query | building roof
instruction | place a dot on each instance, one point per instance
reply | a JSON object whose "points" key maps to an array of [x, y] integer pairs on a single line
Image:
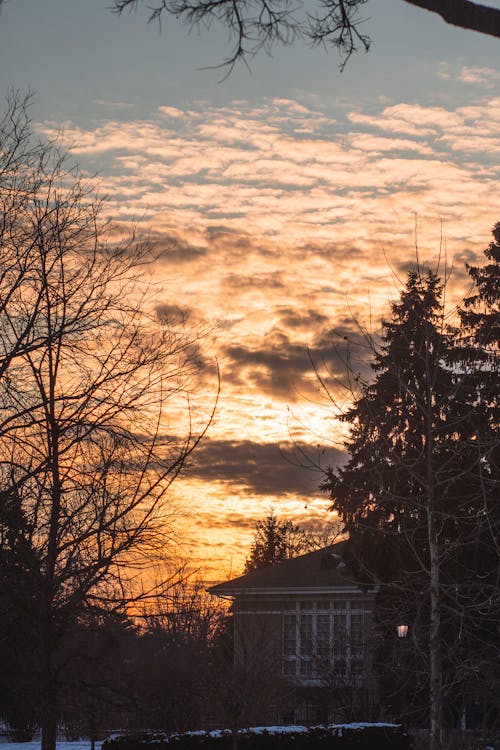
{"points": [[315, 572]]}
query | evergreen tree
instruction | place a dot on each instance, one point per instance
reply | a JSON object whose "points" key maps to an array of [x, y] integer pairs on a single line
{"points": [[478, 596], [412, 493], [275, 541], [481, 312], [19, 694]]}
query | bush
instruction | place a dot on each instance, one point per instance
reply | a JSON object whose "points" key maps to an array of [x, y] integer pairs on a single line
{"points": [[332, 737]]}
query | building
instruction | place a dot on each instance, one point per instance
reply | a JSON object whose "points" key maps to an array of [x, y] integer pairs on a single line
{"points": [[310, 622]]}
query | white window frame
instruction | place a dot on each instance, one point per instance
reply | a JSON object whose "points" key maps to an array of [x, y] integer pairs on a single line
{"points": [[304, 667]]}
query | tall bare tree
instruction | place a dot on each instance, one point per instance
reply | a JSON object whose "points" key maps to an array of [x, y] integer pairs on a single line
{"points": [[95, 418]]}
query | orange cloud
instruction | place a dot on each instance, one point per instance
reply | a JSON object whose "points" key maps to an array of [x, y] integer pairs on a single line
{"points": [[275, 223]]}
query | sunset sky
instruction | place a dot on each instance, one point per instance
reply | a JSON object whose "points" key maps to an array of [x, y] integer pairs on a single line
{"points": [[284, 202]]}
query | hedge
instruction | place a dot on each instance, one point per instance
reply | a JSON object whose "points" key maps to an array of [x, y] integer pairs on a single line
{"points": [[360, 736]]}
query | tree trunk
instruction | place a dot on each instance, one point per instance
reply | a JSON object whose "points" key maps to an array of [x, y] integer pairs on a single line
{"points": [[435, 677], [48, 677], [435, 674], [49, 730], [49, 718]]}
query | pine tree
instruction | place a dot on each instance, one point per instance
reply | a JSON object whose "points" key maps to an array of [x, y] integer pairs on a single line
{"points": [[275, 541], [481, 312], [412, 491], [478, 596], [407, 410]]}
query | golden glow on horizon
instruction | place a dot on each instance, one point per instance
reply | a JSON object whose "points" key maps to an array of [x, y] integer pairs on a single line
{"points": [[278, 224]]}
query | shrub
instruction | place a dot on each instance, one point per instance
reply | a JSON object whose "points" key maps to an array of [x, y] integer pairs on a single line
{"points": [[359, 736]]}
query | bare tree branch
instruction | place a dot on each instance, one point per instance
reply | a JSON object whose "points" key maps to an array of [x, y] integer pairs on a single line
{"points": [[96, 416], [261, 24], [465, 14]]}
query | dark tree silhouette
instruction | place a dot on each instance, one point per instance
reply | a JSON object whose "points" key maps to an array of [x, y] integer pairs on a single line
{"points": [[274, 541], [175, 668], [481, 311], [19, 694], [93, 390], [417, 494]]}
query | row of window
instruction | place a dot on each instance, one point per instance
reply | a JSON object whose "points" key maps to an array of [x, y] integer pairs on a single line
{"points": [[321, 643], [321, 605]]}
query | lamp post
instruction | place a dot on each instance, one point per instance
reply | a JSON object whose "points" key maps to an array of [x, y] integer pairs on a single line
{"points": [[402, 632]]}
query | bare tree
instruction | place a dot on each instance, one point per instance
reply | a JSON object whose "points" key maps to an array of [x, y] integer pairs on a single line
{"points": [[95, 417], [262, 24], [178, 631]]}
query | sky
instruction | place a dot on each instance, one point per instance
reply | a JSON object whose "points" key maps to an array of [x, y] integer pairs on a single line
{"points": [[285, 203]]}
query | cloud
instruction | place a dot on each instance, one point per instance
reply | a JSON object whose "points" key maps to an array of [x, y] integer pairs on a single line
{"points": [[265, 469], [109, 103], [171, 112], [286, 367], [246, 170], [486, 77], [172, 314], [235, 281], [175, 249], [302, 319], [276, 369], [286, 228]]}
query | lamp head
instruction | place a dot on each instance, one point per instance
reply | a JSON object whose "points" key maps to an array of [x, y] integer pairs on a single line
{"points": [[402, 631]]}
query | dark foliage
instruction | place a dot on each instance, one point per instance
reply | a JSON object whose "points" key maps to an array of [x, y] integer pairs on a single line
{"points": [[275, 541], [19, 687], [334, 737], [419, 494], [481, 312]]}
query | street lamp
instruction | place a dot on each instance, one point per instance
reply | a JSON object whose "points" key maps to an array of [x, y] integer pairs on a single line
{"points": [[402, 631]]}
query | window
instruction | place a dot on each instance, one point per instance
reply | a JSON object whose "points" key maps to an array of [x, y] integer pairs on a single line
{"points": [[306, 635], [356, 633], [290, 636], [323, 638]]}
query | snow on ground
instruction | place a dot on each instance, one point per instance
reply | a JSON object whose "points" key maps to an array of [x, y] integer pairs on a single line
{"points": [[35, 745]]}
